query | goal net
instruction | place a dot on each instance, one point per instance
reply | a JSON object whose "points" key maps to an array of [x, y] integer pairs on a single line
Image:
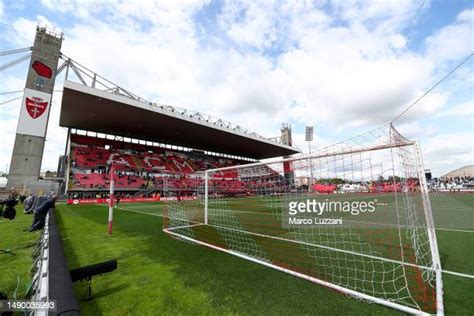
{"points": [[354, 217]]}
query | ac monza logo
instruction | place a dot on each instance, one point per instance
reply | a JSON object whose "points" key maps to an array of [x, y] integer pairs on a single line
{"points": [[36, 106]]}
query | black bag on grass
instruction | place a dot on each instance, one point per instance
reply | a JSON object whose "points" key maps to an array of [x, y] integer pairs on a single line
{"points": [[9, 213]]}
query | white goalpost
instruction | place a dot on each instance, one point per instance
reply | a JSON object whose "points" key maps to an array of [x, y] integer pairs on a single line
{"points": [[354, 217]]}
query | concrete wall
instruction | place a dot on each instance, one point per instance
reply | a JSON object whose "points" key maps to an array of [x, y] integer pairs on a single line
{"points": [[26, 160]]}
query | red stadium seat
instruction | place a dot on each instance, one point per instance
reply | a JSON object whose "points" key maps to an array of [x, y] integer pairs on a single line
{"points": [[91, 156]]}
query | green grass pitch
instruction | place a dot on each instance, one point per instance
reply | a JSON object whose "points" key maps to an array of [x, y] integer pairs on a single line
{"points": [[160, 275]]}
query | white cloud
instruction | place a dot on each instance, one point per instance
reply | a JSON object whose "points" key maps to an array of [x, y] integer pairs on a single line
{"points": [[426, 107], [22, 31], [397, 41], [465, 109], [10, 83], [448, 152], [416, 131], [7, 138], [385, 16], [250, 22], [56, 137], [352, 68], [453, 42], [352, 91]]}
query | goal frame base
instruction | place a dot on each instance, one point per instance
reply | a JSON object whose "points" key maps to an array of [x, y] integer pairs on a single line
{"points": [[355, 294]]}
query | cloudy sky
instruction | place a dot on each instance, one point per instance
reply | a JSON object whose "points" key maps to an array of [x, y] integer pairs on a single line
{"points": [[342, 66]]}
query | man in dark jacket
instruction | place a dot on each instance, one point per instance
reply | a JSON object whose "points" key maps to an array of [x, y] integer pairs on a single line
{"points": [[28, 204], [41, 210]]}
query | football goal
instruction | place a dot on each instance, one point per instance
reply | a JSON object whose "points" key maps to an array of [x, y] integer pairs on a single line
{"points": [[354, 217]]}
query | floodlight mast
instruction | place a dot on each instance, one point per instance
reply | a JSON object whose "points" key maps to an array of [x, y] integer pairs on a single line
{"points": [[309, 139], [111, 198], [206, 197]]}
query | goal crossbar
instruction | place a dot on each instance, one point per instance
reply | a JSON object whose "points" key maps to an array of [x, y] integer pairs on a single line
{"points": [[316, 156]]}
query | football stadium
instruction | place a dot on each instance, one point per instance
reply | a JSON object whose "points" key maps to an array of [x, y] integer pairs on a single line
{"points": [[160, 210]]}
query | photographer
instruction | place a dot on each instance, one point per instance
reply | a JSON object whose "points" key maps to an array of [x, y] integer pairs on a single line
{"points": [[28, 204], [8, 207], [41, 210]]}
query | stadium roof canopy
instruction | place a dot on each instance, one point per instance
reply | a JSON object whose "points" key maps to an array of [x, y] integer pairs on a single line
{"points": [[466, 171], [100, 111]]}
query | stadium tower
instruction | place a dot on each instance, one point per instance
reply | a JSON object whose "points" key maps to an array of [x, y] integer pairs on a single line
{"points": [[286, 139], [35, 108]]}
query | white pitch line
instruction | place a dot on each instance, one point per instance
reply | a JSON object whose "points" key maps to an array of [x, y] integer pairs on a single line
{"points": [[456, 230], [464, 275], [237, 211], [271, 214], [450, 209], [135, 211], [406, 226], [353, 293], [159, 215], [184, 226], [348, 220]]}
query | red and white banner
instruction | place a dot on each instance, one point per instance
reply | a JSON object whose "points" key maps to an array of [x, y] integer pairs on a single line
{"points": [[104, 201], [34, 113]]}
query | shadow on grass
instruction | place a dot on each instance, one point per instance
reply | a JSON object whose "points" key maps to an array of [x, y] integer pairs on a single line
{"points": [[14, 269], [231, 285]]}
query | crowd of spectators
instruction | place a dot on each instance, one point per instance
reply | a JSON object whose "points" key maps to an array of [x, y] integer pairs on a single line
{"points": [[141, 168], [451, 184], [138, 167]]}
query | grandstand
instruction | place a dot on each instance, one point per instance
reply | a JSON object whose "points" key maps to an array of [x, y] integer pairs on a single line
{"points": [[150, 145], [459, 180], [138, 167]]}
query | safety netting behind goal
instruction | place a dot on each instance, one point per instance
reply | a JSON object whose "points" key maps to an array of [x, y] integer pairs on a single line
{"points": [[354, 216]]}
